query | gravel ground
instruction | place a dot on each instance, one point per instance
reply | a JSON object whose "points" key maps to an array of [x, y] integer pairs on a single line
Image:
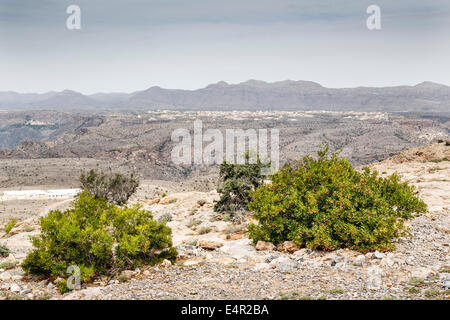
{"points": [[224, 264]]}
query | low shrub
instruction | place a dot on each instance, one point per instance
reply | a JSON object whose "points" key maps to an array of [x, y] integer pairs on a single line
{"points": [[4, 251], [164, 218], [10, 225], [98, 237], [8, 265], [326, 204], [204, 230], [193, 222]]}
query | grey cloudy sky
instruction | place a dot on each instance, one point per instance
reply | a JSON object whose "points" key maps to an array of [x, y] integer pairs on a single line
{"points": [[134, 44]]}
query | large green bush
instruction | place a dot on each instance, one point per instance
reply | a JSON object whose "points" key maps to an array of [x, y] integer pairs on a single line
{"points": [[237, 181], [98, 237], [326, 204]]}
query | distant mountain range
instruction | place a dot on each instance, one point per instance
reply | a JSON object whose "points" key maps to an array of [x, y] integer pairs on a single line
{"points": [[249, 95]]}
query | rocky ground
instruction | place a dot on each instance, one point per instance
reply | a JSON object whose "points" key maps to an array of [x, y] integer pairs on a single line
{"points": [[217, 260]]}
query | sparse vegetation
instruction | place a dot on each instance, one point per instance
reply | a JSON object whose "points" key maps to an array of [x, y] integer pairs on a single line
{"points": [[440, 160], [193, 242], [326, 204], [235, 228], [414, 290], [116, 188], [166, 217], [336, 291], [98, 237], [8, 265], [4, 251], [10, 225], [432, 293], [414, 281], [122, 278], [445, 269], [204, 230], [193, 222]]}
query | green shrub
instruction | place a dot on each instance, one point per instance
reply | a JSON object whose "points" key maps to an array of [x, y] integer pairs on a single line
{"points": [[11, 224], [8, 265], [326, 204], [4, 251], [115, 188], [62, 286], [204, 230], [98, 237], [237, 181]]}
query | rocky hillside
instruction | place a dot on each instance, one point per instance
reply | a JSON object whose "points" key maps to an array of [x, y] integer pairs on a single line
{"points": [[52, 148], [218, 261]]}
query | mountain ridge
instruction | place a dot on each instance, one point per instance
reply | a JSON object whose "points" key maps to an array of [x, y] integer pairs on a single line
{"points": [[249, 95]]}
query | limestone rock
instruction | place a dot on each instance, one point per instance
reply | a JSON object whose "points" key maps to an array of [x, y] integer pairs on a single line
{"points": [[14, 288], [209, 244], [288, 246], [263, 246], [166, 263], [421, 272], [378, 255], [359, 260], [386, 262], [191, 263], [4, 276], [286, 266]]}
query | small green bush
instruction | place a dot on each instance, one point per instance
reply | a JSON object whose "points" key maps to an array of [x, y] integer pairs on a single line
{"points": [[115, 188], [11, 224], [62, 286], [204, 230], [8, 265], [237, 182], [326, 204], [98, 237], [4, 251]]}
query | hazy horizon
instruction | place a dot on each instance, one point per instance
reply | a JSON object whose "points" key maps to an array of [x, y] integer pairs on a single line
{"points": [[127, 46], [228, 83]]}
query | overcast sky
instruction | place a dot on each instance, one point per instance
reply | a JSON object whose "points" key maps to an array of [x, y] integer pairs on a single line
{"points": [[131, 45]]}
